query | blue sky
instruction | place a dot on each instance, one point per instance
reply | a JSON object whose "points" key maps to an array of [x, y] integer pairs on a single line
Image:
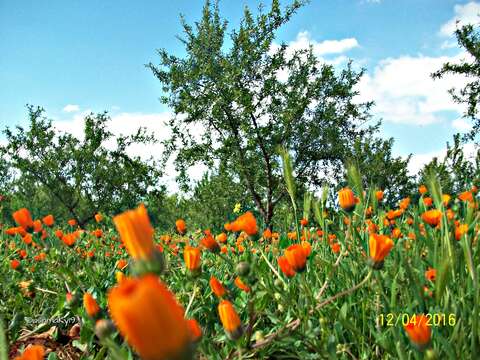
{"points": [[75, 56]]}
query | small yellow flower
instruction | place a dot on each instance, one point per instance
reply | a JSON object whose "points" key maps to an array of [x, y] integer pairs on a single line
{"points": [[237, 208]]}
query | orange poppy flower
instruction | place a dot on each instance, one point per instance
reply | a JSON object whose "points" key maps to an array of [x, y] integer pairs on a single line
{"points": [[466, 196], [69, 239], [422, 189], [419, 331], [245, 222], [98, 233], [460, 230], [307, 248], [209, 242], [27, 239], [267, 234], [48, 220], [379, 195], [149, 318], [396, 233], [181, 226], [23, 218], [380, 246], [122, 264], [90, 305], [33, 352], [404, 203], [37, 226], [296, 257], [428, 201], [59, 233], [372, 227], [11, 231], [292, 235], [194, 330], [431, 274], [284, 265], [72, 222], [346, 199], [14, 264], [230, 319], [222, 238], [304, 222], [432, 217], [335, 248], [217, 287], [191, 255], [98, 217], [136, 232], [241, 285], [40, 257]]}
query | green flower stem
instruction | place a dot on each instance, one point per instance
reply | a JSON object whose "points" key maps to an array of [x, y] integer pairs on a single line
{"points": [[272, 268], [115, 351]]}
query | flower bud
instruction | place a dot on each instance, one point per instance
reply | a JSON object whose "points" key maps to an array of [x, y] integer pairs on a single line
{"points": [[243, 268]]}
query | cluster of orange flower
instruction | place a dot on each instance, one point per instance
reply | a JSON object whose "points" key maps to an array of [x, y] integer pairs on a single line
{"points": [[170, 333]]}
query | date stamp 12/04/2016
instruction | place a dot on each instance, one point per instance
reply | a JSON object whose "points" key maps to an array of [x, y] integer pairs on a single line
{"points": [[435, 319]]}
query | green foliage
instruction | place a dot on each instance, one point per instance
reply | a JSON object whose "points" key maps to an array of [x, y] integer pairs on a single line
{"points": [[455, 171], [469, 39], [72, 177], [235, 105], [380, 168]]}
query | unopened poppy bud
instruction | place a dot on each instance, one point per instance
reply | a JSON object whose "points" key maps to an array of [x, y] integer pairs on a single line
{"points": [[90, 304], [155, 264], [243, 268], [380, 246], [104, 328], [346, 199], [195, 330], [258, 336], [191, 255], [72, 300], [431, 354], [419, 331], [230, 319]]}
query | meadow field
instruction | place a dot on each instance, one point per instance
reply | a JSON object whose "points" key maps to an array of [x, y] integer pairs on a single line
{"points": [[366, 281], [281, 200]]}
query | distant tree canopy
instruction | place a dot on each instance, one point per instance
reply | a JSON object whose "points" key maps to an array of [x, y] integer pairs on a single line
{"points": [[58, 173], [468, 38], [236, 99], [380, 169], [455, 171]]}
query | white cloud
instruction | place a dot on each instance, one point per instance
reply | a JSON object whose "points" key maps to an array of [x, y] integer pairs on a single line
{"points": [[71, 108], [327, 51], [404, 91], [461, 125], [304, 40], [448, 44], [465, 14], [127, 124], [418, 161]]}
